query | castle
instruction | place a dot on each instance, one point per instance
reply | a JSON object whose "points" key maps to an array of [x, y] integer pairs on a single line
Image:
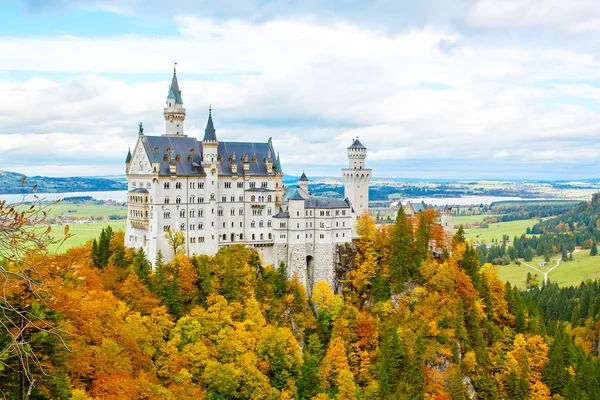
{"points": [[220, 193]]}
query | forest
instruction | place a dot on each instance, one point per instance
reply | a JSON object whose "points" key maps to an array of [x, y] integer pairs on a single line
{"points": [[99, 323]]}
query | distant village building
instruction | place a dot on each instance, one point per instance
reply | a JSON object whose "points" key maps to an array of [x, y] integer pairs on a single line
{"points": [[219, 193]]}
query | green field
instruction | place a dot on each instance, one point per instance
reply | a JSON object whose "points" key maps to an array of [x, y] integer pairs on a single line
{"points": [[469, 219], [583, 267], [496, 230], [82, 233]]}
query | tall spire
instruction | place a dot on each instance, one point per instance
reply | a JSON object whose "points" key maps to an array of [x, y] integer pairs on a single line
{"points": [[209, 133], [174, 92], [278, 169]]}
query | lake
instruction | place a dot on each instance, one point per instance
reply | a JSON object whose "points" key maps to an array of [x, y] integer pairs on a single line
{"points": [[121, 195], [117, 195]]}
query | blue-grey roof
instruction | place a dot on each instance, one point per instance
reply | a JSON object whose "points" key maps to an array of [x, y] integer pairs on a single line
{"points": [[282, 214], [209, 132], [293, 193], [259, 190], [356, 145], [303, 178], [326, 203], [174, 89], [181, 146], [139, 190], [128, 158]]}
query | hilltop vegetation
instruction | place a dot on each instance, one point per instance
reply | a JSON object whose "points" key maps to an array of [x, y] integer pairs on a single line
{"points": [[11, 183], [401, 325]]}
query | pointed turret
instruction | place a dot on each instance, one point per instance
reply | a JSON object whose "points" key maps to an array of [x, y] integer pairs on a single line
{"points": [[278, 169], [303, 177], [209, 133], [303, 184], [128, 159], [174, 92]]}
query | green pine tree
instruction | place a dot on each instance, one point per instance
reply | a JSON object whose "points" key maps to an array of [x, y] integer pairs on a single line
{"points": [[402, 266], [594, 248]]}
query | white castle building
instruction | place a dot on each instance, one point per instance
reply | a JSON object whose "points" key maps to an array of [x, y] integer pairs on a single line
{"points": [[220, 193]]}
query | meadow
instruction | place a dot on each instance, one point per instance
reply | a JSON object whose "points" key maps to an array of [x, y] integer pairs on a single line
{"points": [[84, 210], [582, 268], [496, 230], [82, 233]]}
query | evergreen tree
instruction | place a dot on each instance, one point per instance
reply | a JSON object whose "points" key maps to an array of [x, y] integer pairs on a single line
{"points": [[528, 256], [95, 254], [381, 288], [141, 266], [402, 265], [416, 374], [470, 264], [594, 248], [457, 386], [422, 240]]}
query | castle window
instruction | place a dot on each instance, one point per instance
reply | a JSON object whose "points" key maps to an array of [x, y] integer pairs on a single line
{"points": [[269, 211], [201, 239], [227, 185], [241, 211], [219, 159], [322, 213], [337, 224], [232, 199], [182, 213], [178, 185], [322, 236], [200, 213], [253, 236], [322, 225], [297, 213], [270, 236], [224, 236], [223, 199], [254, 159], [262, 236], [212, 196], [192, 199], [252, 185], [166, 158], [297, 236], [343, 212], [223, 224], [282, 224], [240, 185], [261, 224], [200, 199], [178, 200], [220, 211], [200, 226], [233, 211], [192, 227], [252, 224], [241, 224], [241, 198], [269, 198], [192, 185], [264, 185], [166, 228], [253, 198], [192, 213], [167, 200], [241, 236], [201, 185], [167, 214], [344, 223], [336, 235], [298, 225], [269, 223], [167, 185], [337, 212], [182, 227]]}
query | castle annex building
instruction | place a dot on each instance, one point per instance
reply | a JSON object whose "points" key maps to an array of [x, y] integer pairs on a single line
{"points": [[220, 193]]}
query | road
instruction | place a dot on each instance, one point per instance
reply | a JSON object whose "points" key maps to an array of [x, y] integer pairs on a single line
{"points": [[542, 272]]}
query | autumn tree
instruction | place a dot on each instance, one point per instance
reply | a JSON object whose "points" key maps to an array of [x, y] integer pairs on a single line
{"points": [[176, 240]]}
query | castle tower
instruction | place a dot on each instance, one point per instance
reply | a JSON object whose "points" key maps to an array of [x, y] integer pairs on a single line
{"points": [[279, 189], [446, 222], [174, 112], [356, 178], [210, 160], [303, 184]]}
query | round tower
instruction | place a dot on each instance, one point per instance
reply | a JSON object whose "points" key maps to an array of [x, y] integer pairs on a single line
{"points": [[446, 220], [356, 178]]}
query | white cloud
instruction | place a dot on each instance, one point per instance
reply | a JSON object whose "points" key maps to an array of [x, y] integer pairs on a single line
{"points": [[312, 87]]}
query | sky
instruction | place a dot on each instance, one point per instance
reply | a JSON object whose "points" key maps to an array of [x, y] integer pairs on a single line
{"points": [[453, 89]]}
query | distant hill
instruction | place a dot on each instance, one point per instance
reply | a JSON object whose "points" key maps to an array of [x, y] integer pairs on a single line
{"points": [[10, 183]]}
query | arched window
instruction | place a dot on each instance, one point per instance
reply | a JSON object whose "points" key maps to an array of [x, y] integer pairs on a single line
{"points": [[269, 198], [261, 224], [269, 211], [167, 185], [182, 213], [252, 224], [167, 200], [253, 236], [269, 224], [270, 236], [200, 213], [212, 196], [262, 236], [192, 213], [241, 236], [178, 200], [241, 211], [223, 199], [200, 199], [200, 226], [167, 214], [192, 199], [253, 198], [182, 227], [233, 211], [224, 236]]}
